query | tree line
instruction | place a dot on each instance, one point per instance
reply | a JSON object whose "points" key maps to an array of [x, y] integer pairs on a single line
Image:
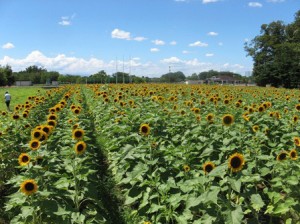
{"points": [[39, 75]]}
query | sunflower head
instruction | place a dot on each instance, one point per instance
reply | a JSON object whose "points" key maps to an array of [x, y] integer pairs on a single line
{"points": [[236, 162], [52, 116], [24, 159], [78, 134], [293, 154], [297, 107], [52, 123], [29, 187], [227, 119], [145, 129], [295, 118], [186, 168], [282, 156], [208, 167], [297, 141], [80, 147], [255, 128], [34, 144], [16, 116], [210, 117]]}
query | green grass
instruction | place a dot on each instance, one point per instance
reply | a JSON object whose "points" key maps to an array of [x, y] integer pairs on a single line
{"points": [[19, 95]]}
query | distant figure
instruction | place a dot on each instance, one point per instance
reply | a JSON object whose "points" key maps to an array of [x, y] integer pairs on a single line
{"points": [[7, 98]]}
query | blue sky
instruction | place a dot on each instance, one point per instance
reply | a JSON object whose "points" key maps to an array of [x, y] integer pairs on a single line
{"points": [[143, 37]]}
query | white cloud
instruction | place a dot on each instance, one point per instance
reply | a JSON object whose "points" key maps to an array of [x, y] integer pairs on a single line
{"points": [[255, 4], [8, 46], [66, 20], [186, 52], [209, 54], [209, 1], [120, 34], [173, 42], [198, 44], [220, 44], [154, 49], [171, 60], [212, 34], [158, 42], [139, 38]]}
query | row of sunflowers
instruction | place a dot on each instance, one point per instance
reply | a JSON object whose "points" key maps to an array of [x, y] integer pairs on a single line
{"points": [[153, 153]]}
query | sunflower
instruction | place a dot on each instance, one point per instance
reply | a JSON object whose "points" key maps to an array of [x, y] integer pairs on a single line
{"points": [[293, 154], [29, 187], [145, 129], [297, 107], [297, 141], [52, 117], [227, 119], [47, 129], [34, 144], [255, 128], [295, 118], [236, 162], [52, 123], [37, 134], [208, 166], [261, 109], [196, 110], [16, 116], [78, 134], [80, 147], [76, 111], [237, 104], [210, 117], [226, 101], [24, 159], [186, 168], [282, 156]]}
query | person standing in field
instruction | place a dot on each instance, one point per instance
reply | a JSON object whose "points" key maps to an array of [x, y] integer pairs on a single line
{"points": [[7, 98]]}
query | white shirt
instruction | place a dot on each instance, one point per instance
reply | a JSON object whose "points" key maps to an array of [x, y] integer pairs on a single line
{"points": [[7, 97]]}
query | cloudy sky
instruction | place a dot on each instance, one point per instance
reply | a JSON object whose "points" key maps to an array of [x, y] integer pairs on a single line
{"points": [[143, 37]]}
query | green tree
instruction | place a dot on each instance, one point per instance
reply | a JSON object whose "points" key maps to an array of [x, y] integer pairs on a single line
{"points": [[276, 53]]}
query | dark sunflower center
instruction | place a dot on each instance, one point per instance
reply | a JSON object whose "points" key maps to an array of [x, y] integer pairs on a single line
{"points": [[46, 129], [295, 118], [76, 111], [208, 168], [235, 162], [29, 186], [227, 120], [282, 156], [80, 147], [37, 134], [25, 159], [293, 155], [144, 129], [78, 134], [209, 117], [34, 144]]}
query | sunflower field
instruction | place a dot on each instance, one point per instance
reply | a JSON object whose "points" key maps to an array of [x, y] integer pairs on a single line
{"points": [[150, 154]]}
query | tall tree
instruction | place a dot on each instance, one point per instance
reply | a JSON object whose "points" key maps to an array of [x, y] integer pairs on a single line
{"points": [[276, 53]]}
